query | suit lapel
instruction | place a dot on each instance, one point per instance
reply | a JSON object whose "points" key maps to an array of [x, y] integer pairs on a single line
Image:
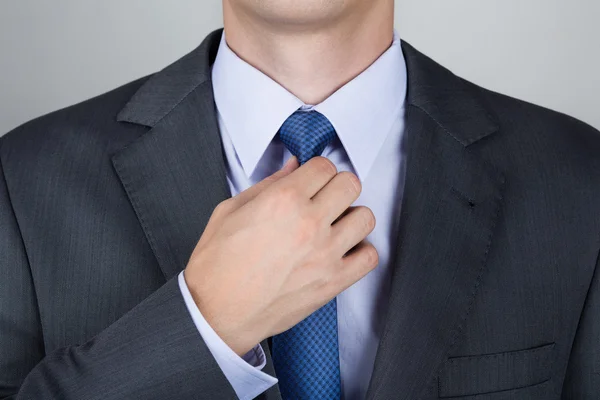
{"points": [[450, 206], [174, 174]]}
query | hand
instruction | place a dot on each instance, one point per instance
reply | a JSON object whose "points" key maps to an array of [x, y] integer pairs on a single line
{"points": [[272, 255]]}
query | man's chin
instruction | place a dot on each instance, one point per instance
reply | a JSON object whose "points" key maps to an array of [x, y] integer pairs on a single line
{"points": [[296, 14]]}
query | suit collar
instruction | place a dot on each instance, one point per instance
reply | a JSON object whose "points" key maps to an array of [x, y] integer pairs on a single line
{"points": [[166, 89], [174, 176], [451, 101]]}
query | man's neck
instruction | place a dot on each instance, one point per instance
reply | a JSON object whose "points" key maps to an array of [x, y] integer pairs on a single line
{"points": [[312, 62]]}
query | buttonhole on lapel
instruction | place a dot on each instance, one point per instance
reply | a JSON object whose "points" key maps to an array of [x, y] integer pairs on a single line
{"points": [[470, 202]]}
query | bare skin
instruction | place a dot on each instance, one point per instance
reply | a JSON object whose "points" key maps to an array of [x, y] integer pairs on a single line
{"points": [[277, 252], [310, 47], [272, 255]]}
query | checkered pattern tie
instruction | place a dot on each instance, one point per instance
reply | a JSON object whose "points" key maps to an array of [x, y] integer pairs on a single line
{"points": [[306, 357]]}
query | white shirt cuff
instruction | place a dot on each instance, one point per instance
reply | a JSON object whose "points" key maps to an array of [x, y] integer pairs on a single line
{"points": [[243, 373]]}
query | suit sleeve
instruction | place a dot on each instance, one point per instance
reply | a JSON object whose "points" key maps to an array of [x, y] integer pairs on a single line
{"points": [[152, 352], [582, 380], [21, 344], [243, 373]]}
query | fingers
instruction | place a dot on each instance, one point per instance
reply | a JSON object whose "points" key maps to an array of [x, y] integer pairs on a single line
{"points": [[310, 177], [339, 194], [358, 263], [351, 229], [253, 191]]}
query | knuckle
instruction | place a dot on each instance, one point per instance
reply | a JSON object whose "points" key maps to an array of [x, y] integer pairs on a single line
{"points": [[371, 256], [307, 228], [330, 283], [368, 218], [271, 178], [286, 195], [312, 223], [326, 278], [337, 276], [223, 208], [279, 203], [351, 182], [324, 166]]}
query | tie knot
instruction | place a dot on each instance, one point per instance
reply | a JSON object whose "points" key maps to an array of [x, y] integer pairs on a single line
{"points": [[306, 134]]}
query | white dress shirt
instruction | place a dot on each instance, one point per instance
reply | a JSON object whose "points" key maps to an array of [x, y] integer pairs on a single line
{"points": [[368, 116]]}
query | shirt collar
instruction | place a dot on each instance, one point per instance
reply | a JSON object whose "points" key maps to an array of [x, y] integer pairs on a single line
{"points": [[253, 106]]}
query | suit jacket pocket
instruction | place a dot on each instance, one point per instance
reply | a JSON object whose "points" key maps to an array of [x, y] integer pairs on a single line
{"points": [[465, 376]]}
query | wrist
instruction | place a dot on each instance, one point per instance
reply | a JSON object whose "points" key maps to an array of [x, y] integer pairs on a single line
{"points": [[229, 329]]}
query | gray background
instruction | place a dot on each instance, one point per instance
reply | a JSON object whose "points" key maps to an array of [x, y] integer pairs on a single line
{"points": [[56, 53]]}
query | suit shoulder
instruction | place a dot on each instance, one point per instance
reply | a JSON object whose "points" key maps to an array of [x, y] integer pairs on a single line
{"points": [[542, 150], [546, 130], [88, 120]]}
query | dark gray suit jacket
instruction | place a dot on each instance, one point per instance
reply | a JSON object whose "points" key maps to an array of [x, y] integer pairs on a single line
{"points": [[494, 296]]}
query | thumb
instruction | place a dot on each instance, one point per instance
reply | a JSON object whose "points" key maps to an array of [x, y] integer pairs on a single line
{"points": [[253, 191]]}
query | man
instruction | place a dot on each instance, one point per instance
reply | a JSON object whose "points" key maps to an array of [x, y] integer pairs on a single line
{"points": [[426, 238]]}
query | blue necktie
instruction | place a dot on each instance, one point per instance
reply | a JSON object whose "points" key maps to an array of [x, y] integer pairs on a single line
{"points": [[306, 357]]}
